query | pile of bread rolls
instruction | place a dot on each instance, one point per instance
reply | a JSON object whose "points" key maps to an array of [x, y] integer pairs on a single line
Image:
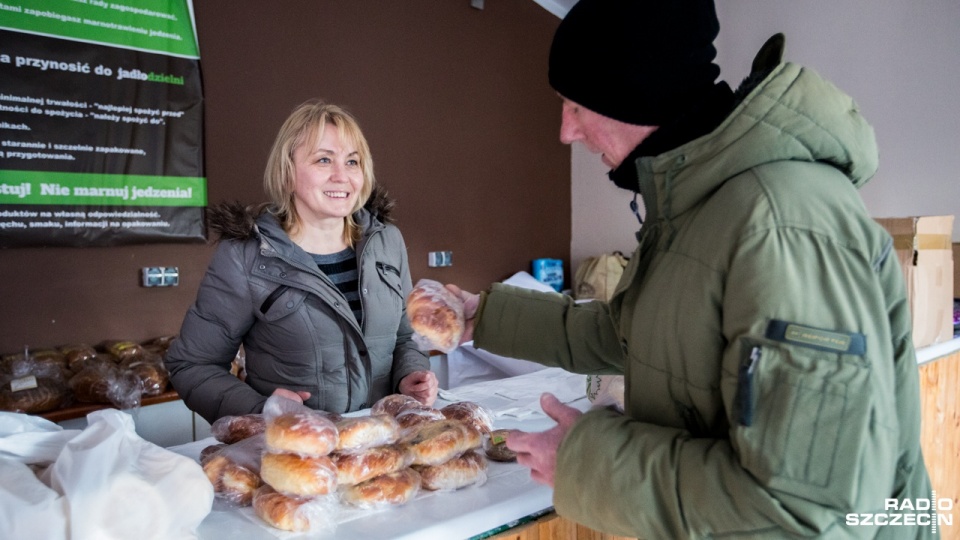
{"points": [[297, 467]]}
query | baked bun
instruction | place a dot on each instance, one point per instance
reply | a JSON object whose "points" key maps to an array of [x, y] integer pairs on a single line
{"points": [[41, 395], [440, 441], [394, 404], [207, 453], [470, 413], [355, 468], [387, 489], [411, 420], [296, 514], [359, 433], [231, 482], [231, 429], [302, 432], [297, 475], [464, 470], [436, 315]]}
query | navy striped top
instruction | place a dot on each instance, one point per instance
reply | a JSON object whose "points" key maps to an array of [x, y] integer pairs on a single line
{"points": [[341, 268]]}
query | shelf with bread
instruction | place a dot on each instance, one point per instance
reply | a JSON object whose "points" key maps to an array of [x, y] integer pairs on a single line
{"points": [[70, 381]]}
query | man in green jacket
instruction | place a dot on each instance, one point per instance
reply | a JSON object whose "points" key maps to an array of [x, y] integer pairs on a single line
{"points": [[771, 384]]}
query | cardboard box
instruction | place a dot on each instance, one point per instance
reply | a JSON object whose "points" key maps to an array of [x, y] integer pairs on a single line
{"points": [[923, 245]]}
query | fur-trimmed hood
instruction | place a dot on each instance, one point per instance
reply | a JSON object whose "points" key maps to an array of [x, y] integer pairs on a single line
{"points": [[233, 220]]}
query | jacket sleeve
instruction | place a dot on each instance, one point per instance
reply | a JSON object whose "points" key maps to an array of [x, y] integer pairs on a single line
{"points": [[549, 328], [210, 336], [808, 389], [407, 356]]}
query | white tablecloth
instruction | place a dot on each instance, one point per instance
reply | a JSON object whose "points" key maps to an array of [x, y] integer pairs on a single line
{"points": [[508, 495]]}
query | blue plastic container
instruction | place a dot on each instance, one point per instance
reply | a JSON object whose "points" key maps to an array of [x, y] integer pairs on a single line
{"points": [[549, 271]]}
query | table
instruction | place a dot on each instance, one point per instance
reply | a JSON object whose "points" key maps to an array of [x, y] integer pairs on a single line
{"points": [[507, 498]]}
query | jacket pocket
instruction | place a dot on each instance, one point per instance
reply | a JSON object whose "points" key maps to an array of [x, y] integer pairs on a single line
{"points": [[390, 276], [803, 416], [281, 302]]}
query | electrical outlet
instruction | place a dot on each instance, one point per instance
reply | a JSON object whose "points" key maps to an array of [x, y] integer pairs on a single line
{"points": [[160, 276], [439, 258]]}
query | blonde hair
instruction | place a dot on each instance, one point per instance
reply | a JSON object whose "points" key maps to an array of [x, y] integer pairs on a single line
{"points": [[305, 125]]}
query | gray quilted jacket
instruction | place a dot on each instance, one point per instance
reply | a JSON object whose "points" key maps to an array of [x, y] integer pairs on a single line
{"points": [[264, 292]]}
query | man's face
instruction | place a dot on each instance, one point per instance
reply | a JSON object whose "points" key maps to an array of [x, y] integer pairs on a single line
{"points": [[612, 139]]}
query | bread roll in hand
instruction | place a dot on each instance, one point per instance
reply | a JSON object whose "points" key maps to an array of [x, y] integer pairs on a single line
{"points": [[436, 316]]}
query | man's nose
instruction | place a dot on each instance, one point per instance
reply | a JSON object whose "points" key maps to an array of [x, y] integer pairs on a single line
{"points": [[569, 129]]}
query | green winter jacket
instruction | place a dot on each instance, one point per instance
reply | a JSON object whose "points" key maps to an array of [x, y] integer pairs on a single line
{"points": [[770, 378]]}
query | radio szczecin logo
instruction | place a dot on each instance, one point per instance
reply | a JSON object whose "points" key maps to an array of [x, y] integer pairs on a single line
{"points": [[932, 512]]}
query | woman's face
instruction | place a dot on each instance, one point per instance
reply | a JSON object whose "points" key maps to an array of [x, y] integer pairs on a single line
{"points": [[328, 178]]}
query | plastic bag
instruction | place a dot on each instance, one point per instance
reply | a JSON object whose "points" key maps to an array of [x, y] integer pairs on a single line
{"points": [[104, 482], [436, 316], [597, 277], [605, 391]]}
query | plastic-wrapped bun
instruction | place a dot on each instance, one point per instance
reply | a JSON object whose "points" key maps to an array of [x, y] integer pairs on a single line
{"points": [[470, 468], [231, 429], [302, 433], [437, 442], [234, 470], [297, 514], [359, 433], [296, 475], [353, 469], [411, 420], [436, 316], [387, 489], [470, 413], [395, 404]]}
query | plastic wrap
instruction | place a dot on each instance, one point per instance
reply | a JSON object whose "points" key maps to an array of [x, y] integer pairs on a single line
{"points": [[385, 490], [296, 514], [299, 476], [34, 383], [77, 353], [122, 349], [412, 419], [353, 469], [234, 470], [436, 316], [467, 469], [394, 404], [495, 446], [470, 413], [437, 442], [109, 384], [232, 429], [295, 428], [360, 433]]}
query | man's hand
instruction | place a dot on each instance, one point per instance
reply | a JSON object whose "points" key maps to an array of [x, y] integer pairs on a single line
{"points": [[299, 396], [470, 303], [420, 385], [538, 451]]}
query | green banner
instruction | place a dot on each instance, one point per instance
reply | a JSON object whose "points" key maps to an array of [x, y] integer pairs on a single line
{"points": [[72, 189], [160, 26]]}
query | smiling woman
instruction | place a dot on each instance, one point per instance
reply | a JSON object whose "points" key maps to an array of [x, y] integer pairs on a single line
{"points": [[311, 284]]}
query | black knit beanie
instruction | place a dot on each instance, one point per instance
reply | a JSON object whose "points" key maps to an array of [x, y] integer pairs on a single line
{"points": [[638, 61]]}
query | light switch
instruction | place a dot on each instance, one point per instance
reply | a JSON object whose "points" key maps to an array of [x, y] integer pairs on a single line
{"points": [[160, 276], [439, 258]]}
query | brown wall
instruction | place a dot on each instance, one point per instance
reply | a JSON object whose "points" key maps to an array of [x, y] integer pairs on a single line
{"points": [[455, 104]]}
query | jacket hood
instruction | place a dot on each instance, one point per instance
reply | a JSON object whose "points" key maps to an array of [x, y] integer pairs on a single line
{"points": [[791, 114], [233, 220]]}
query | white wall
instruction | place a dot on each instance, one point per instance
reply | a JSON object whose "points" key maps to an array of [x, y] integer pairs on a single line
{"points": [[899, 60]]}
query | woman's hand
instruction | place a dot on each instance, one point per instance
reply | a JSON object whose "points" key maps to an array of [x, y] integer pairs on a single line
{"points": [[470, 303], [420, 385], [299, 396]]}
